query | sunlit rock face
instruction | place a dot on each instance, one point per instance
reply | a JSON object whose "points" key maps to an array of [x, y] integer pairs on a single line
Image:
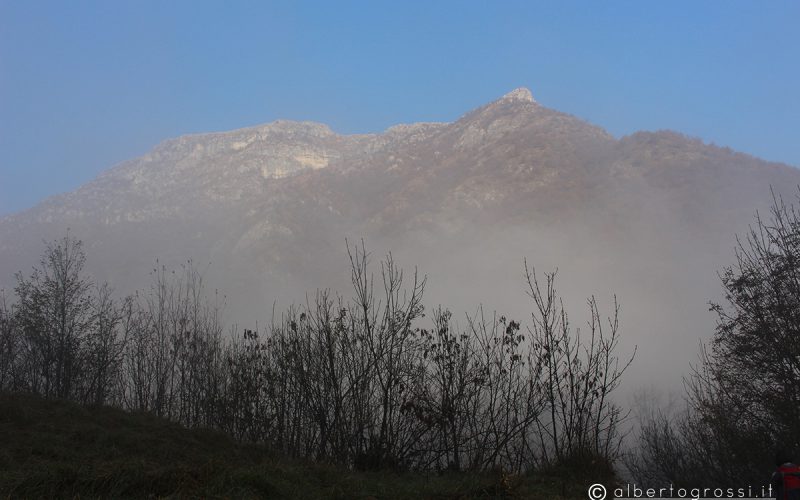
{"points": [[265, 211]]}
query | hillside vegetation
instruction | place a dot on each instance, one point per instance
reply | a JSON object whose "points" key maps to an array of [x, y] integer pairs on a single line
{"points": [[59, 449], [493, 408], [357, 383]]}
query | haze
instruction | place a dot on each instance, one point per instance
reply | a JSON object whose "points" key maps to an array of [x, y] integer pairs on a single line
{"points": [[649, 217]]}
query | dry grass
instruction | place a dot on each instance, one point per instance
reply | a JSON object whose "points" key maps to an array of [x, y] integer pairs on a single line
{"points": [[57, 449]]}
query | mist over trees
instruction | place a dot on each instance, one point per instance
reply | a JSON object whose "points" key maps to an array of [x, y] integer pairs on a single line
{"points": [[376, 381], [369, 382], [743, 399], [62, 337]]}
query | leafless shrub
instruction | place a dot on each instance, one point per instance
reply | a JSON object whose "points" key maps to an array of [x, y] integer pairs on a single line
{"points": [[578, 377], [744, 397], [356, 382], [9, 346]]}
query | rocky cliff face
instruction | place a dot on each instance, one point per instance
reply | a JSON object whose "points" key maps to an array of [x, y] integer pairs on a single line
{"points": [[651, 216]]}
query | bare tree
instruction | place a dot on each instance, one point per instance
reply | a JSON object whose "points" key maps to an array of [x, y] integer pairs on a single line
{"points": [[103, 348], [355, 382], [579, 377], [9, 346], [55, 316], [173, 358], [743, 398]]}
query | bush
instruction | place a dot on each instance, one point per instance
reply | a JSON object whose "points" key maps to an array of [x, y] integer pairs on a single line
{"points": [[360, 383], [744, 398]]}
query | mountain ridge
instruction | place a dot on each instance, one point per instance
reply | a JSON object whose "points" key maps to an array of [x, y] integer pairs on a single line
{"points": [[509, 149], [651, 215], [206, 145]]}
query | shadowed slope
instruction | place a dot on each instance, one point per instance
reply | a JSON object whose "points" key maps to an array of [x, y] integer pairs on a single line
{"points": [[56, 449]]}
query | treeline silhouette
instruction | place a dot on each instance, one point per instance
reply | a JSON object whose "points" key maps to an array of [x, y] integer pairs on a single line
{"points": [[742, 412], [369, 382], [373, 382]]}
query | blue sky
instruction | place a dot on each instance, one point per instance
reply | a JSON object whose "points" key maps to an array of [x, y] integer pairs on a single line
{"points": [[84, 85]]}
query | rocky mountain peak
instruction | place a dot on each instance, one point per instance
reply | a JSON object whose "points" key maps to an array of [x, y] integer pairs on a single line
{"points": [[520, 94]]}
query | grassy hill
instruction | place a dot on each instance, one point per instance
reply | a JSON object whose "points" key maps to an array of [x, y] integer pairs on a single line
{"points": [[58, 449]]}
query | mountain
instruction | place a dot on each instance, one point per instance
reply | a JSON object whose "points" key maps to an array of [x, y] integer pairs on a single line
{"points": [[266, 210]]}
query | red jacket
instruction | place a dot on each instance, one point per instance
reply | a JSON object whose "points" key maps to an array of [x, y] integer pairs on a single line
{"points": [[786, 482]]}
